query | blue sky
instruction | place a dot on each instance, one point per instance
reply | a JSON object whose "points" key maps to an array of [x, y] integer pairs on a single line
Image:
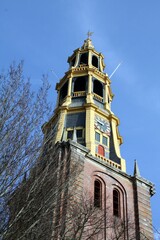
{"points": [[45, 32]]}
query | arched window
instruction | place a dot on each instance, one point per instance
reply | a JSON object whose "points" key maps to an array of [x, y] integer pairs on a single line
{"points": [[116, 203], [72, 63], [101, 150], [80, 84], [84, 59], [97, 193], [98, 88], [95, 61], [64, 91]]}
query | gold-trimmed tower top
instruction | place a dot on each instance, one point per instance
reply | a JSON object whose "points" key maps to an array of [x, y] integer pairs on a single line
{"points": [[83, 110]]}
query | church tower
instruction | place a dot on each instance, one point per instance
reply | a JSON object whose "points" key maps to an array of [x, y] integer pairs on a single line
{"points": [[83, 116], [83, 111], [79, 188]]}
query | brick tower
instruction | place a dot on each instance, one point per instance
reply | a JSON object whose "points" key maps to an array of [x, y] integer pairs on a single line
{"points": [[83, 115], [99, 200]]}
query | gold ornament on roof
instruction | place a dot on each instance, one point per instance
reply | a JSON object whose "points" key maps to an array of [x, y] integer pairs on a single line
{"points": [[89, 34]]}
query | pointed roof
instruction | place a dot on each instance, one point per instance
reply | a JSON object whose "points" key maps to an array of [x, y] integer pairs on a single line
{"points": [[87, 44], [74, 135], [136, 169]]}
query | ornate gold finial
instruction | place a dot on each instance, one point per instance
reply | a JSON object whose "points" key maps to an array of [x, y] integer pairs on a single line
{"points": [[89, 34]]}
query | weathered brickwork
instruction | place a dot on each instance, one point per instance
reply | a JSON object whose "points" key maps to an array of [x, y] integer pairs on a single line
{"points": [[135, 198], [69, 173], [143, 208]]}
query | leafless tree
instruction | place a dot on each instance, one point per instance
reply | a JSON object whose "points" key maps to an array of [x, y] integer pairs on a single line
{"points": [[85, 221], [51, 203], [41, 198], [46, 202], [22, 113], [156, 233], [82, 221]]}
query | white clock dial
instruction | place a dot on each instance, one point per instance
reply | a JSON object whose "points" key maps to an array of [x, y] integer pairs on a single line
{"points": [[102, 125]]}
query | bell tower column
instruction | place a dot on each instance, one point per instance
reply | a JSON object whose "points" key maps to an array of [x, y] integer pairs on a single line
{"points": [[106, 96], [90, 134], [68, 100], [89, 94]]}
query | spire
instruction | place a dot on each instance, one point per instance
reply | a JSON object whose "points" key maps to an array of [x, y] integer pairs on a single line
{"points": [[89, 34], [136, 169], [88, 42], [74, 135]]}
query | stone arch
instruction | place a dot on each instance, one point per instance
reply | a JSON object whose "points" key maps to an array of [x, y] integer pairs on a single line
{"points": [[84, 59], [79, 84], [64, 91], [98, 88], [95, 61], [97, 193], [116, 203]]}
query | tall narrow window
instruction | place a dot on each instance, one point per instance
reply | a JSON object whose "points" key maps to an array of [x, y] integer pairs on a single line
{"points": [[80, 84], [84, 58], [105, 140], [70, 134], [95, 61], [79, 133], [97, 193], [98, 88], [116, 203], [97, 136], [64, 91]]}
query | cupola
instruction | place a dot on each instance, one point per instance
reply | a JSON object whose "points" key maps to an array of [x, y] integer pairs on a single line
{"points": [[87, 56], [83, 110]]}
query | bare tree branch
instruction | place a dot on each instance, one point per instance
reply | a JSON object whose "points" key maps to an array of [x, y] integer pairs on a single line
{"points": [[22, 113]]}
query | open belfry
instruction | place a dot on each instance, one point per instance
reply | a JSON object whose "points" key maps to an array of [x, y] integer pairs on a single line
{"points": [[87, 193], [83, 112]]}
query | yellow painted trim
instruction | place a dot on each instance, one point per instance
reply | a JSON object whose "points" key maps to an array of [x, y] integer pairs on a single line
{"points": [[60, 125], [89, 133], [109, 162], [123, 165], [106, 98], [113, 117], [72, 129], [69, 86], [76, 110], [90, 83]]}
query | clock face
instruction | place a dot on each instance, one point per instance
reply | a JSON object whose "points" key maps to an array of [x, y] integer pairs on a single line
{"points": [[102, 125]]}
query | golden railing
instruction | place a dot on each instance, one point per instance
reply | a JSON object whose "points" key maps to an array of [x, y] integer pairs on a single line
{"points": [[111, 163], [79, 94], [99, 98]]}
